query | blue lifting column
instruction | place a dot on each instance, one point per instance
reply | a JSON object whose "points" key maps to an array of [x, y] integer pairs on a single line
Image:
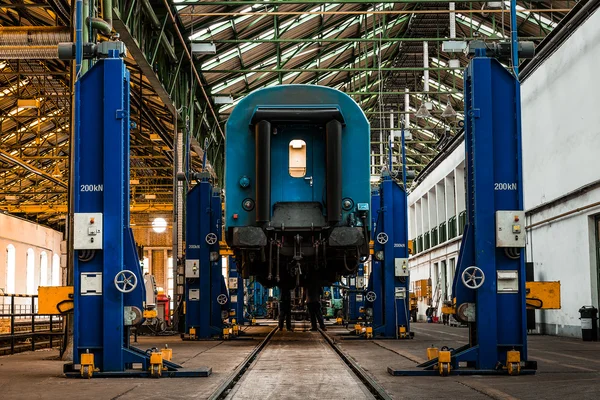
{"points": [[109, 292], [493, 244], [103, 241], [356, 294], [205, 291], [390, 275], [236, 291]]}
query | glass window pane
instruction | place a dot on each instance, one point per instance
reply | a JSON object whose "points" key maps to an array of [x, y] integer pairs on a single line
{"points": [[297, 163]]}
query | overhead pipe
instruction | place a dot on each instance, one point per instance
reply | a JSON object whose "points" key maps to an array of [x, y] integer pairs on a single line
{"points": [[103, 25], [100, 25], [31, 42], [28, 52], [407, 108], [452, 7], [426, 66]]}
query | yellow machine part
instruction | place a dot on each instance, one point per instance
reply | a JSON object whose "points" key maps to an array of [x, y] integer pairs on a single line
{"points": [[369, 332], [150, 314], [156, 364], [449, 310], [411, 247], [432, 352], [542, 295], [227, 332], [402, 332], [224, 250], [513, 362], [87, 365], [444, 358], [371, 247], [338, 321], [167, 354], [55, 299]]}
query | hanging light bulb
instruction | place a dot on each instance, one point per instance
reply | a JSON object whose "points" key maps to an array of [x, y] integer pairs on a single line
{"points": [[448, 111], [423, 112]]}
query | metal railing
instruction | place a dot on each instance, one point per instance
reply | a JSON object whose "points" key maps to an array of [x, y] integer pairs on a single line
{"points": [[23, 329]]}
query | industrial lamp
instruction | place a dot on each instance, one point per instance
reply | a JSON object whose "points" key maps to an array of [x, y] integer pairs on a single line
{"points": [[449, 111], [423, 112], [159, 225]]}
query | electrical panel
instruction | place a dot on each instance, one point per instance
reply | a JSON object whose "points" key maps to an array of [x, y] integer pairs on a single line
{"points": [[91, 284], [360, 282], [87, 231], [508, 281], [192, 269], [359, 297], [401, 267], [510, 228], [400, 293], [233, 298], [233, 283]]}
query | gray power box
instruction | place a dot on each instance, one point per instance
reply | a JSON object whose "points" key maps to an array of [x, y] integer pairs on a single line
{"points": [[510, 228], [233, 283], [401, 267], [88, 231], [192, 268]]}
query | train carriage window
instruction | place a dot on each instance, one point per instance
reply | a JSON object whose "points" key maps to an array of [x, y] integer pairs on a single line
{"points": [[297, 164]]}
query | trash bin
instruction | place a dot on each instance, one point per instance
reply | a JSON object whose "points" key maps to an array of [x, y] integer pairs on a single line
{"points": [[589, 323]]}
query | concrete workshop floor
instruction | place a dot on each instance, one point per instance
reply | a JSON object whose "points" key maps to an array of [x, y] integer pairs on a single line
{"points": [[567, 368]]}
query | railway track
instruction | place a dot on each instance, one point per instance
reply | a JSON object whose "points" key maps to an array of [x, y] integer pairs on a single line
{"points": [[269, 376]]}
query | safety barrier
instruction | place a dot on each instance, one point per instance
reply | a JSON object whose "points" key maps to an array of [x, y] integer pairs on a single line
{"points": [[23, 329]]}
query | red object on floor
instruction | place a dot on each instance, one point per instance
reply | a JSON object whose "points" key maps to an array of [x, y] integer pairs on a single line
{"points": [[163, 307]]}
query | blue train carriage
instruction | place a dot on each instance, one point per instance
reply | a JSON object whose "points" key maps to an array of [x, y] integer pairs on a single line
{"points": [[298, 200]]}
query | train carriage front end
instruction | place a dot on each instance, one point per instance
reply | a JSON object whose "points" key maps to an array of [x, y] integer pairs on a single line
{"points": [[297, 185]]}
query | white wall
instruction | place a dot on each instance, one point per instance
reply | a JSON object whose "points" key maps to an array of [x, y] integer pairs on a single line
{"points": [[561, 122], [25, 235], [561, 147], [434, 199]]}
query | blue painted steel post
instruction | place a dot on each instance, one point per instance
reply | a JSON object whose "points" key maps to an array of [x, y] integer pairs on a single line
{"points": [[492, 149], [238, 305], [101, 185], [390, 311], [204, 278]]}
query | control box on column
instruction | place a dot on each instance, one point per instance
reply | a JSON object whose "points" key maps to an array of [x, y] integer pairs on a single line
{"points": [[510, 228], [87, 231]]}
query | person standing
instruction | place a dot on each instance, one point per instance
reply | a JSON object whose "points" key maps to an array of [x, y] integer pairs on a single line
{"points": [[313, 303], [285, 309]]}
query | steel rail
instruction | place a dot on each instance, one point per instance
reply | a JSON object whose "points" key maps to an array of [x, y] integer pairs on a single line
{"points": [[374, 388], [223, 390]]}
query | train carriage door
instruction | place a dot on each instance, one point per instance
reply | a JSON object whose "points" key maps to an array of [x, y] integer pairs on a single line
{"points": [[292, 172]]}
